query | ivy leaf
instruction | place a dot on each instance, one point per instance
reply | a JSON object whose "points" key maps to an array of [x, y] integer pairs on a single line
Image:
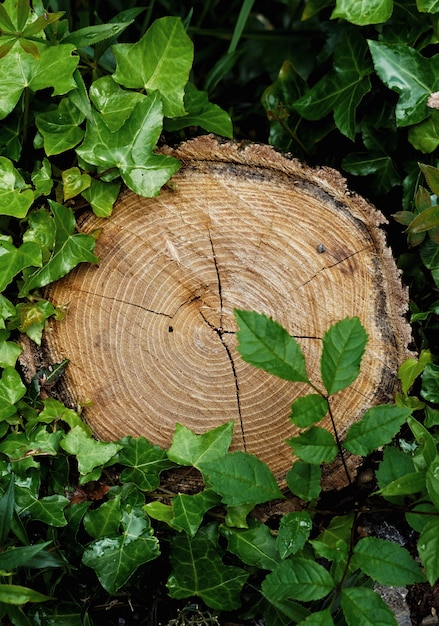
{"points": [[130, 149], [15, 196], [115, 558], [42, 178], [70, 249], [9, 350], [114, 103], [306, 410], [303, 480], [102, 196], [74, 182], [89, 452], [294, 531], [428, 549], [19, 70], [386, 562], [342, 89], [197, 570], [189, 510], [315, 445], [363, 12], [363, 607], [60, 128], [343, 348], [264, 343], [241, 478], [143, 462], [411, 75], [430, 383], [198, 450], [161, 61], [425, 135], [11, 391], [297, 578], [49, 509], [105, 520], [377, 427], [255, 546]]}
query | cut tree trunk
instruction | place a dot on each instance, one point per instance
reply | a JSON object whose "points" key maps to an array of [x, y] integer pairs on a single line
{"points": [[150, 331]]}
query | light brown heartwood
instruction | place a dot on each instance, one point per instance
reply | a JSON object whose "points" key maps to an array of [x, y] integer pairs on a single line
{"points": [[150, 331]]}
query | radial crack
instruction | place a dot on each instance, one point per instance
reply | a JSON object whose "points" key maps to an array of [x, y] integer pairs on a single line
{"points": [[218, 280]]}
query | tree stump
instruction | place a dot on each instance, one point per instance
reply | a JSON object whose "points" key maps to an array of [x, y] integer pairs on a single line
{"points": [[150, 331]]}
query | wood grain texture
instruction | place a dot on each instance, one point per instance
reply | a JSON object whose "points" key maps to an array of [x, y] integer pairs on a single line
{"points": [[150, 331]]}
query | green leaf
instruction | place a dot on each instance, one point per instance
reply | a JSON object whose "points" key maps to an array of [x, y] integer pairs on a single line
{"points": [[407, 484], [426, 220], [130, 149], [264, 343], [14, 260], [427, 6], [49, 509], [7, 309], [303, 480], [9, 351], [89, 452], [430, 383], [102, 196], [425, 135], [241, 478], [189, 510], [319, 618], [60, 128], [105, 520], [19, 71], [159, 511], [411, 75], [342, 89], [15, 557], [6, 510], [428, 550], [410, 369], [115, 558], [143, 462], [198, 450], [15, 196], [426, 442], [74, 182], [394, 465], [236, 516], [306, 410], [11, 391], [431, 176], [377, 427], [386, 562], [343, 348], [42, 179], [255, 546], [297, 578], [114, 103], [160, 61], [432, 480], [197, 570], [31, 318], [363, 12], [70, 249], [17, 595], [91, 35], [315, 445], [294, 531], [363, 607], [333, 543]]}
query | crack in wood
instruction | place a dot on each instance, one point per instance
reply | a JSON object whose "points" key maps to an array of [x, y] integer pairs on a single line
{"points": [[328, 267]]}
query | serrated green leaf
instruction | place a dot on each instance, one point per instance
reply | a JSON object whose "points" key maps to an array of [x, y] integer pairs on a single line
{"points": [[114, 103], [363, 12], [241, 478], [294, 531], [297, 578], [189, 510], [315, 445], [341, 90], [199, 571], [405, 485], [15, 196], [419, 516], [115, 558], [319, 618], [17, 595], [386, 562], [377, 427], [306, 410], [303, 480], [334, 542], [11, 391], [60, 128], [255, 546], [160, 61], [190, 449], [91, 35], [394, 465], [264, 343], [70, 249], [143, 462], [343, 348], [363, 607], [430, 383], [102, 196], [428, 550], [412, 76], [89, 452]]}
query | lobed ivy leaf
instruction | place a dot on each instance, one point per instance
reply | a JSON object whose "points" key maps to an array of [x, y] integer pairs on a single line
{"points": [[255, 546], [60, 128], [303, 480], [197, 570], [18, 71], [236, 516], [70, 249], [376, 428], [115, 558], [294, 531], [89, 452], [9, 350], [159, 511], [363, 607], [428, 550], [315, 445], [74, 182], [297, 578], [102, 196], [190, 449], [264, 343], [411, 75], [343, 348], [241, 478], [15, 196], [143, 462], [306, 410], [17, 595], [386, 562], [105, 520], [7, 310], [160, 61], [42, 178], [363, 12], [189, 510], [48, 509], [425, 135], [11, 391], [113, 103]]}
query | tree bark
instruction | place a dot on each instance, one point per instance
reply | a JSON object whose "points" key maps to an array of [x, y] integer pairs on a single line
{"points": [[150, 331]]}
